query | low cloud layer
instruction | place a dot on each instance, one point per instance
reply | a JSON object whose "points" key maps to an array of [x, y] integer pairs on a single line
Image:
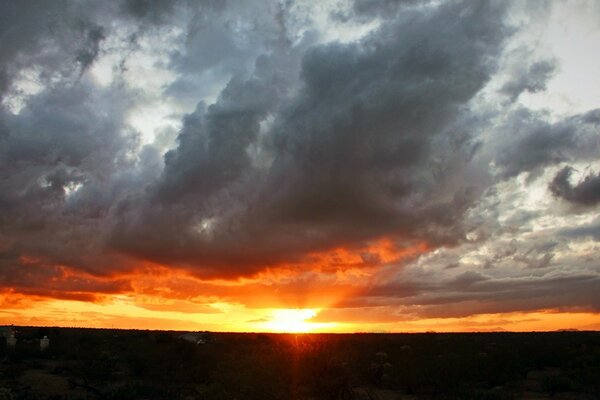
{"points": [[394, 154]]}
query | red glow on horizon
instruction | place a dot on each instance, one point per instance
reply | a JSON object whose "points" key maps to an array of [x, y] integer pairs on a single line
{"points": [[309, 296]]}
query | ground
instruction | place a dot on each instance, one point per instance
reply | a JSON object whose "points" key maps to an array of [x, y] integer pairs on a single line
{"points": [[117, 364]]}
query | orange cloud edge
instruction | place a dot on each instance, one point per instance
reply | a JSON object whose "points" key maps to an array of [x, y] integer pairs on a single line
{"points": [[304, 297]]}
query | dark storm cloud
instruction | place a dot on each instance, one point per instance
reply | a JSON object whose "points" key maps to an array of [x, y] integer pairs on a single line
{"points": [[89, 52], [156, 11], [60, 155], [345, 159], [4, 82], [58, 164], [49, 36], [381, 8], [584, 193], [66, 154], [517, 294], [530, 142], [472, 292], [222, 40]]}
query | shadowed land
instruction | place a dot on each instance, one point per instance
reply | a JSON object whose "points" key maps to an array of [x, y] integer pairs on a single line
{"points": [[130, 364]]}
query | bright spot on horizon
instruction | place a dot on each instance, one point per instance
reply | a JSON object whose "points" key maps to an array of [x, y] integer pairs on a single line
{"points": [[292, 321]]}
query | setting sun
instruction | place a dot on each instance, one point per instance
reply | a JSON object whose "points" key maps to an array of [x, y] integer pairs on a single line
{"points": [[293, 321]]}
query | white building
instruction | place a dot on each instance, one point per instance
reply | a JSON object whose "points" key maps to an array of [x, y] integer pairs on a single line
{"points": [[193, 337], [44, 343]]}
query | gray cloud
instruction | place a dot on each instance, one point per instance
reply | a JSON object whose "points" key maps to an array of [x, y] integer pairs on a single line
{"points": [[59, 162], [472, 292], [50, 38], [381, 8], [533, 79], [89, 52], [533, 143], [591, 230], [585, 193], [348, 154], [66, 154], [155, 11]]}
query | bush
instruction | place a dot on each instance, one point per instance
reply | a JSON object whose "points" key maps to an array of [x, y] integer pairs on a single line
{"points": [[555, 384]]}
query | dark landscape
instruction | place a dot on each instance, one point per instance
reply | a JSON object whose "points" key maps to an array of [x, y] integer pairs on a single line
{"points": [[136, 364]]}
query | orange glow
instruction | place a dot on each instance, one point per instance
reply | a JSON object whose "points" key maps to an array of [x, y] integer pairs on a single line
{"points": [[322, 293], [293, 321], [376, 253], [125, 311]]}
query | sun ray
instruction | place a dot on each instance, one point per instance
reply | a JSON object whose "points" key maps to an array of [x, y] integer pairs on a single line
{"points": [[289, 320]]}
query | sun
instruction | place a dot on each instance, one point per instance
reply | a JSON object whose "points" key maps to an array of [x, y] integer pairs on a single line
{"points": [[291, 320]]}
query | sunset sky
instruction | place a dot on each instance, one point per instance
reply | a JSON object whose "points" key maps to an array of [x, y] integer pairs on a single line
{"points": [[306, 166]]}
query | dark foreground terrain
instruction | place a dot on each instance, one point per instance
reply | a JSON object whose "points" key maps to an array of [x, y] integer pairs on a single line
{"points": [[117, 364]]}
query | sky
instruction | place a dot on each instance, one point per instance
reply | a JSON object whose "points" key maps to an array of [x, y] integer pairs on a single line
{"points": [[278, 165]]}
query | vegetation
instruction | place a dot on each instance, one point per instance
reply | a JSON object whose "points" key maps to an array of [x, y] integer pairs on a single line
{"points": [[117, 364]]}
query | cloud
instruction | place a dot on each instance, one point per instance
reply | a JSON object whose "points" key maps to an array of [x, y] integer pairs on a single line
{"points": [[34, 277], [584, 193], [533, 143], [60, 162], [88, 54], [471, 293], [380, 8], [50, 40], [591, 230], [154, 11], [532, 80], [350, 147]]}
